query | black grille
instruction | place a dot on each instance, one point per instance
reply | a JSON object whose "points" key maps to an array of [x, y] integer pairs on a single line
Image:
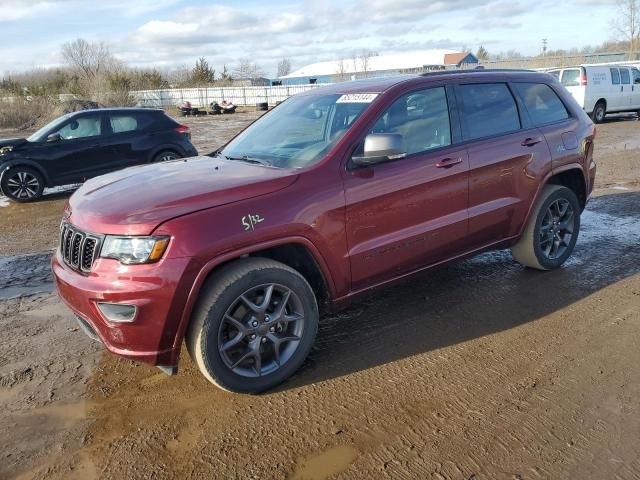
{"points": [[78, 248]]}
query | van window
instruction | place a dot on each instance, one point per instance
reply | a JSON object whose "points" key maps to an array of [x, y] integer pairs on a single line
{"points": [[615, 76], [422, 118], [636, 75], [571, 77], [487, 109], [542, 103], [555, 73], [625, 79]]}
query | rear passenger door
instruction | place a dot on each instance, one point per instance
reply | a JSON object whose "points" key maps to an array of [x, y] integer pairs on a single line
{"points": [[507, 159], [635, 89], [626, 86], [545, 110], [616, 99], [127, 138]]}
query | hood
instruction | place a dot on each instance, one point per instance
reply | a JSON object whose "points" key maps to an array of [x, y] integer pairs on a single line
{"points": [[136, 200], [11, 142]]}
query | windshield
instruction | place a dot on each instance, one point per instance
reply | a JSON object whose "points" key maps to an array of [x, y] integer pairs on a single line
{"points": [[39, 136], [300, 132]]}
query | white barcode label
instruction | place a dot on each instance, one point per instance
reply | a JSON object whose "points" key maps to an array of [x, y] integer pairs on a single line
{"points": [[357, 98]]}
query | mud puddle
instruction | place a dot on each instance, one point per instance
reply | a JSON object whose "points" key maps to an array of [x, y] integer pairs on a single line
{"points": [[326, 464]]}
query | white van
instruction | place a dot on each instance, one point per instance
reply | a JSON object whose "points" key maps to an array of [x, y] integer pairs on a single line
{"points": [[602, 89]]}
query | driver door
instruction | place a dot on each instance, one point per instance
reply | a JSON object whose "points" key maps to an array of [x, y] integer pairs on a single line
{"points": [[78, 154], [405, 214]]}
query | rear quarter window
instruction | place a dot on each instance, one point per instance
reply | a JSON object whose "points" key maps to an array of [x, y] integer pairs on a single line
{"points": [[542, 103], [487, 109]]}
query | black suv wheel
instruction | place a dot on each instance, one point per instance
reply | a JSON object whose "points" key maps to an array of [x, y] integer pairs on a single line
{"points": [[22, 184]]}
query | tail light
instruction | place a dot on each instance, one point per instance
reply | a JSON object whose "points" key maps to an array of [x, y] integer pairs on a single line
{"points": [[583, 79], [184, 130]]}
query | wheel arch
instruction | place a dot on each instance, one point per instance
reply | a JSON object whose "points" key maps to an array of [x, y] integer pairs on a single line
{"points": [[168, 146], [571, 176], [5, 167], [298, 253]]}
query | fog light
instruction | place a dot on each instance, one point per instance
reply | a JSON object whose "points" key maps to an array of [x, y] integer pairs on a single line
{"points": [[118, 312]]}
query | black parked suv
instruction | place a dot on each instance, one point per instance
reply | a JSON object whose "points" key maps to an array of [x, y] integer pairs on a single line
{"points": [[85, 144]]}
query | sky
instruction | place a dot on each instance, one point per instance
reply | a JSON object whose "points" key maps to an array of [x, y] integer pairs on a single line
{"points": [[173, 33]]}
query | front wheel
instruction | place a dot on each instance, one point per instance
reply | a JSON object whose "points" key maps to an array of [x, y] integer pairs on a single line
{"points": [[552, 231], [22, 184], [599, 112], [254, 324]]}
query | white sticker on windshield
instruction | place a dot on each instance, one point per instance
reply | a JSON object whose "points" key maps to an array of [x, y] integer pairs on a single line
{"points": [[357, 98]]}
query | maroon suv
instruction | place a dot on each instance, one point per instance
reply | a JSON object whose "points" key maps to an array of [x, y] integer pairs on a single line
{"points": [[335, 191]]}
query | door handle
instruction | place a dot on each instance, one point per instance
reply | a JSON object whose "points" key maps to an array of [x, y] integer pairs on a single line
{"points": [[448, 162], [530, 142]]}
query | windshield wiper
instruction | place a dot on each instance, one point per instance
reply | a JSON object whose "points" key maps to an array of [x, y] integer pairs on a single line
{"points": [[248, 159]]}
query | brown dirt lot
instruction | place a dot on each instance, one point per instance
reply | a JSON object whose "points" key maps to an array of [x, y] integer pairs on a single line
{"points": [[480, 369]]}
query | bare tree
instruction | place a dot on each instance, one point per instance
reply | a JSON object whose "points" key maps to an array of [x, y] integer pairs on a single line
{"points": [[364, 58], [626, 26], [341, 70], [246, 70], [93, 68], [284, 67]]}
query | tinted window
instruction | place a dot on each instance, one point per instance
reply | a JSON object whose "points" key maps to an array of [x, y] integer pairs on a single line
{"points": [[636, 75], [487, 109], [82, 127], [571, 77], [422, 118], [624, 76], [542, 103], [615, 76]]}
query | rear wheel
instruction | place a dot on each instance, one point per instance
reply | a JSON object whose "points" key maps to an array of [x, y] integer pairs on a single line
{"points": [[166, 156], [552, 231], [599, 112], [22, 184], [253, 326]]}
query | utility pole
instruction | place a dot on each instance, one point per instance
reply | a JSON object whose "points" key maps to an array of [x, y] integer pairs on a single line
{"points": [[543, 50]]}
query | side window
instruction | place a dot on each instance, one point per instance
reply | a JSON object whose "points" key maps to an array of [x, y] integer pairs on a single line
{"points": [[615, 76], [487, 109], [625, 78], [422, 118], [121, 123], [541, 102], [555, 73], [83, 127], [571, 77], [636, 75]]}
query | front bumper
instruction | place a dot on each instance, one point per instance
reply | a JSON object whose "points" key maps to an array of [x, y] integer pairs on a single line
{"points": [[159, 292]]}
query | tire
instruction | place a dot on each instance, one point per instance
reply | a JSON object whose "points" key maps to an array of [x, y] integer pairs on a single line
{"points": [[547, 216], [599, 112], [165, 156], [262, 107], [22, 184], [226, 336]]}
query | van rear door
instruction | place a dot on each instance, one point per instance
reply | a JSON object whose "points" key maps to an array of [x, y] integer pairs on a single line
{"points": [[574, 80]]}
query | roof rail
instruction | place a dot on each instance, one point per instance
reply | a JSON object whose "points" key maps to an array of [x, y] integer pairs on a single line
{"points": [[473, 70]]}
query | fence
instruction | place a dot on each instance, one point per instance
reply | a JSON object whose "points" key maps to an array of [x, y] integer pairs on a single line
{"points": [[201, 97]]}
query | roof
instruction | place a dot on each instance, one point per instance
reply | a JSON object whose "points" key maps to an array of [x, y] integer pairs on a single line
{"points": [[381, 84], [398, 61], [455, 58], [119, 109]]}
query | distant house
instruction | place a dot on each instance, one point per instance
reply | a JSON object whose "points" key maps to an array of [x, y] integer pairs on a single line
{"points": [[378, 66]]}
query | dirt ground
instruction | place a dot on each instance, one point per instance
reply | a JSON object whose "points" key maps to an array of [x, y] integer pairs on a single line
{"points": [[478, 370]]}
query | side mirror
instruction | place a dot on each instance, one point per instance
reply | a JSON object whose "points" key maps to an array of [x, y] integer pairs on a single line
{"points": [[381, 147], [54, 137]]}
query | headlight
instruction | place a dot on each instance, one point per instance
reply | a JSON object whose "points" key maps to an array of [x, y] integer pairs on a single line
{"points": [[134, 250], [4, 150]]}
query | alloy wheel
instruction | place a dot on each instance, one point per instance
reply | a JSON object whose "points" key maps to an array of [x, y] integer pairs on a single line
{"points": [[556, 229], [23, 185], [261, 330]]}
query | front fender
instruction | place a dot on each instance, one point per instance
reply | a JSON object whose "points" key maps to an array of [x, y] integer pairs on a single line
{"points": [[208, 267]]}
